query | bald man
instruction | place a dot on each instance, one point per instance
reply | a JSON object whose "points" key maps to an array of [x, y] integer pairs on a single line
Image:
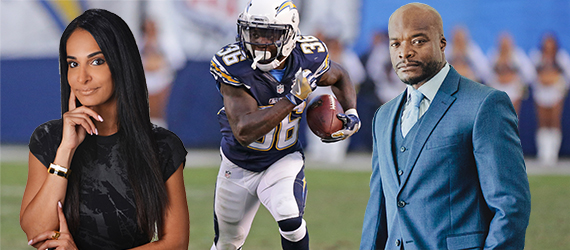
{"points": [[447, 166]]}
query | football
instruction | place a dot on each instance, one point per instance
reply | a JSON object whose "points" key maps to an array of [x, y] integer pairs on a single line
{"points": [[321, 116]]}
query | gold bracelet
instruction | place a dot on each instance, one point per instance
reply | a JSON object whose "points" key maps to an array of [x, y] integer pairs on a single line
{"points": [[59, 170]]}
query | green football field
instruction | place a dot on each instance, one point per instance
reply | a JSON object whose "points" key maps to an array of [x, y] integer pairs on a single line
{"points": [[334, 213]]}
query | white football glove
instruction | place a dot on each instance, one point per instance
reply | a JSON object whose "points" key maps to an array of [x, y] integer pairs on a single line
{"points": [[303, 86]]}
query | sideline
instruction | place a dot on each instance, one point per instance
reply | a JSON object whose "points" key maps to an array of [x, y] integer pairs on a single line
{"points": [[354, 161]]}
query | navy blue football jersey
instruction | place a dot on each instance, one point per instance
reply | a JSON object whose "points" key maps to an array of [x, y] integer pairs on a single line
{"points": [[230, 66]]}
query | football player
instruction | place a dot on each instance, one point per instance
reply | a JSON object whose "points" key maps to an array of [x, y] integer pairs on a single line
{"points": [[264, 79]]}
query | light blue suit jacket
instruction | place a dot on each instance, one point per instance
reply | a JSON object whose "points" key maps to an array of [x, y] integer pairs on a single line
{"points": [[465, 183]]}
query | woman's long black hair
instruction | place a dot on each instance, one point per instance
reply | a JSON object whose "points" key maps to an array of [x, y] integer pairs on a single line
{"points": [[138, 149]]}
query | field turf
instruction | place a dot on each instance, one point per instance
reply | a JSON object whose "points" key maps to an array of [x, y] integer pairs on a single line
{"points": [[335, 209]]}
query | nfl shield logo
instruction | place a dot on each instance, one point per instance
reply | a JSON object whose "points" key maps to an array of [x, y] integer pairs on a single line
{"points": [[280, 89]]}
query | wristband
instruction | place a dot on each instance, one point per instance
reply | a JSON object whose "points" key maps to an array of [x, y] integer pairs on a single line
{"points": [[294, 99], [58, 170], [351, 112]]}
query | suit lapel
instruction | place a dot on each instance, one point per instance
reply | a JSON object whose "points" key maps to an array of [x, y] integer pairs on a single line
{"points": [[389, 133], [438, 107]]}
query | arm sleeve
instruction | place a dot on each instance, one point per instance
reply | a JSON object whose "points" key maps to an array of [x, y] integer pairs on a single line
{"points": [[45, 140], [172, 153], [502, 172], [374, 228], [221, 66]]}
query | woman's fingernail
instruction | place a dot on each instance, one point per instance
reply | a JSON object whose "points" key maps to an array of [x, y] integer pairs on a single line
{"points": [[59, 204], [100, 119], [96, 132], [30, 242]]}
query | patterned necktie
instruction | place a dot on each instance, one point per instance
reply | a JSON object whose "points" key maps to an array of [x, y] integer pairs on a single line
{"points": [[413, 114]]}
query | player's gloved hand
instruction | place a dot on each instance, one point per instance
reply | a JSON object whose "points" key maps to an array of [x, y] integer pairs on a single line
{"points": [[303, 86], [351, 124]]}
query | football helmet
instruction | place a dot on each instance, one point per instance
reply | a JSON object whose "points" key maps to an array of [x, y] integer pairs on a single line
{"points": [[267, 31]]}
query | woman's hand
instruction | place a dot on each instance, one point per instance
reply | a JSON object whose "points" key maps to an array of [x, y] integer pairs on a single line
{"points": [[77, 123], [61, 240]]}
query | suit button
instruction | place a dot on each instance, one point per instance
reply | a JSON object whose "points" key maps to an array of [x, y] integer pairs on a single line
{"points": [[401, 203], [400, 172], [403, 149], [398, 242]]}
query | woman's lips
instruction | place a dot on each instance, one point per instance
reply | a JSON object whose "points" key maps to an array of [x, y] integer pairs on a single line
{"points": [[87, 91]]}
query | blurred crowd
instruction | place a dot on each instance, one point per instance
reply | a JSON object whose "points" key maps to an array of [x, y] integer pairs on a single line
{"points": [[542, 74], [177, 39]]}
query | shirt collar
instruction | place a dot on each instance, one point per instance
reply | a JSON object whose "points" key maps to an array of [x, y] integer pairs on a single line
{"points": [[430, 88]]}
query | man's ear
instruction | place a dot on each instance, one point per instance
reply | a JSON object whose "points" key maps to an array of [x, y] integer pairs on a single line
{"points": [[442, 43]]}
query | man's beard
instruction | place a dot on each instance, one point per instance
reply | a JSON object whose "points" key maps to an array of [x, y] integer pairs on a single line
{"points": [[428, 71]]}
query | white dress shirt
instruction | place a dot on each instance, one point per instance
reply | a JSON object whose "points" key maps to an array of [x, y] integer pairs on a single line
{"points": [[428, 89]]}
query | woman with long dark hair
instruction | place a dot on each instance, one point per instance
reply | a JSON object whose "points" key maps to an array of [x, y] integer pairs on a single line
{"points": [[113, 178]]}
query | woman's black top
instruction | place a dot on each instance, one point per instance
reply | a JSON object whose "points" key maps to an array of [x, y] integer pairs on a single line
{"points": [[107, 204]]}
